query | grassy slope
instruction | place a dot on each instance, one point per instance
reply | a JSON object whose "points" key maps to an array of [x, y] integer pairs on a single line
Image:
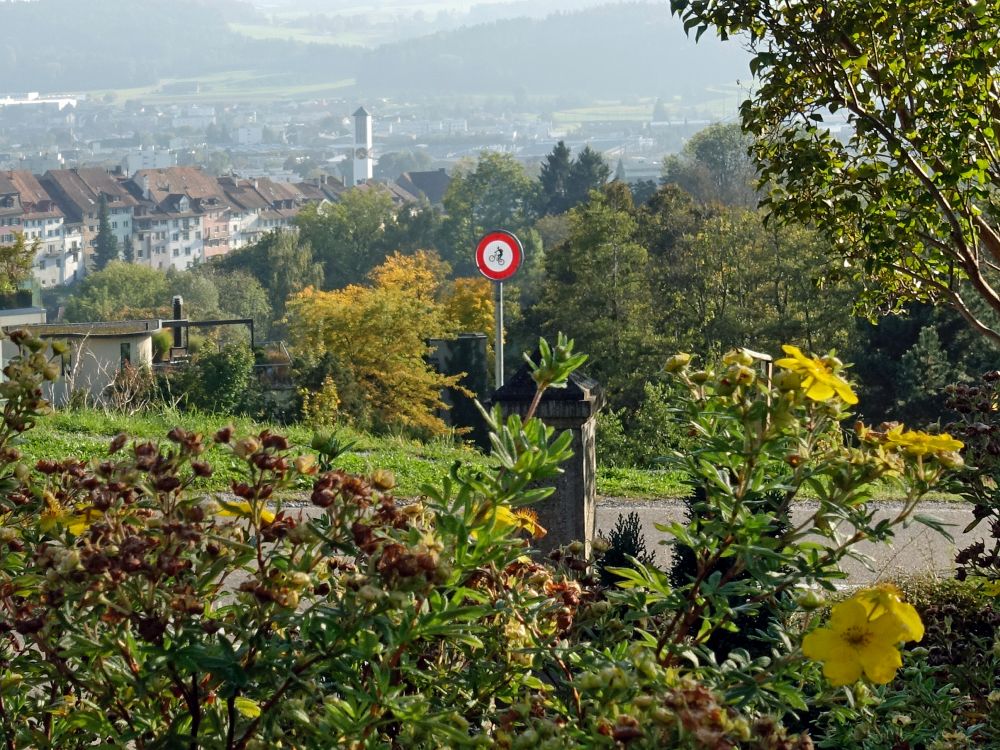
{"points": [[86, 434]]}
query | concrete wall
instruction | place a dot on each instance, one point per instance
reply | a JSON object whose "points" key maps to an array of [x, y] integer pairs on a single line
{"points": [[94, 363]]}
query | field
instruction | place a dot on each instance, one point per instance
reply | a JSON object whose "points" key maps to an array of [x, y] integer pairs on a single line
{"points": [[238, 85], [360, 38]]}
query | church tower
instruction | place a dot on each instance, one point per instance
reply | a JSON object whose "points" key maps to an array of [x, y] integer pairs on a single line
{"points": [[364, 162]]}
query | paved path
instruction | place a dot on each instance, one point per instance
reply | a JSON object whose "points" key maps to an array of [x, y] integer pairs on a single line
{"points": [[916, 549]]}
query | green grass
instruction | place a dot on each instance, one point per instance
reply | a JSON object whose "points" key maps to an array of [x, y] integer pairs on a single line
{"points": [[86, 434]]}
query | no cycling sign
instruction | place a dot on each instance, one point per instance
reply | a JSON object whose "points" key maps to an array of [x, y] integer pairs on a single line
{"points": [[499, 255]]}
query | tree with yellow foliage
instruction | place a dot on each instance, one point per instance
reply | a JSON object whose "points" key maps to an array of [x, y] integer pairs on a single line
{"points": [[379, 332]]}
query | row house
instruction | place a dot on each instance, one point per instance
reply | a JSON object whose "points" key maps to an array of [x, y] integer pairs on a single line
{"points": [[59, 253], [259, 206], [78, 193], [205, 199], [174, 217], [168, 233], [11, 212]]}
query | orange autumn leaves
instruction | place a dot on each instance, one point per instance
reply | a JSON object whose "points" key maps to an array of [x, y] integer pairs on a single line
{"points": [[379, 332]]}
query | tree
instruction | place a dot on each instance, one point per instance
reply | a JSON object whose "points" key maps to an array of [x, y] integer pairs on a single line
{"points": [[715, 166], [105, 244], [281, 263], [596, 290], [128, 252], [589, 172], [15, 263], [735, 282], [379, 334], [349, 237], [495, 194], [391, 165], [908, 189], [242, 296], [118, 292], [554, 181]]}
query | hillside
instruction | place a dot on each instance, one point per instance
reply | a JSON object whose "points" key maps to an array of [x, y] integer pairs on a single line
{"points": [[612, 50], [606, 51], [68, 45]]}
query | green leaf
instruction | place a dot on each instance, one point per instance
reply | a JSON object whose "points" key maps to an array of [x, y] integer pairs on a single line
{"points": [[247, 707]]}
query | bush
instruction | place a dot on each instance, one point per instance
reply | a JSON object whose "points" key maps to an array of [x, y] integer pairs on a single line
{"points": [[642, 436], [138, 611], [216, 382]]}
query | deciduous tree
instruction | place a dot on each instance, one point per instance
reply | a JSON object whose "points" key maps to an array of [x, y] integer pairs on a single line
{"points": [[379, 333], [907, 182], [15, 263]]}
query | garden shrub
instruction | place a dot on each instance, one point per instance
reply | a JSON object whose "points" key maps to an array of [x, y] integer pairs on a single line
{"points": [[137, 610], [623, 544], [976, 409], [947, 695], [640, 437]]}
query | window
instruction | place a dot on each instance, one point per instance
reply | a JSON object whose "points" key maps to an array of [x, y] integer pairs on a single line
{"points": [[177, 252], [126, 354], [187, 251]]}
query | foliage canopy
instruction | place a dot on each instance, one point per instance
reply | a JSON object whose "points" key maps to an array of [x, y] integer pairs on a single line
{"points": [[909, 188]]}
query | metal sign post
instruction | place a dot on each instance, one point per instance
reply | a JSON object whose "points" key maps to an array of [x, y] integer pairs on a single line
{"points": [[498, 341], [498, 256]]}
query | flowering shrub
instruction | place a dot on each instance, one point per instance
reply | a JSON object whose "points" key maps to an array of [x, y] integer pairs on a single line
{"points": [[138, 611], [758, 444]]}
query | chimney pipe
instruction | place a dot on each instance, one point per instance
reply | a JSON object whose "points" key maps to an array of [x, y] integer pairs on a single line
{"points": [[178, 315]]}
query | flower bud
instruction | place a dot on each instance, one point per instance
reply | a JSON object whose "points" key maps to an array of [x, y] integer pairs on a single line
{"points": [[677, 362], [246, 447], [738, 357], [951, 460], [701, 376], [786, 380], [810, 599]]}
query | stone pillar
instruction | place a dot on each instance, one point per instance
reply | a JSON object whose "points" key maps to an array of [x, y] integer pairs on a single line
{"points": [[568, 514]]}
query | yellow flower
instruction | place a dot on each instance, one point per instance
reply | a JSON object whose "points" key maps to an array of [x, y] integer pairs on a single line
{"points": [[819, 380], [522, 518], [243, 509], [918, 443], [55, 516], [863, 637], [885, 599]]}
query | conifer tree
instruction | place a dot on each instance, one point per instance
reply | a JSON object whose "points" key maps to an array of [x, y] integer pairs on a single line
{"points": [[554, 180], [128, 251], [589, 172], [106, 244]]}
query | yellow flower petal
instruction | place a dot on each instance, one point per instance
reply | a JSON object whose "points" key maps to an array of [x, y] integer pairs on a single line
{"points": [[243, 509], [880, 662]]}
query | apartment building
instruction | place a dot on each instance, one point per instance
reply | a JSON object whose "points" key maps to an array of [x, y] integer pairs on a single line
{"points": [[59, 254], [78, 193]]}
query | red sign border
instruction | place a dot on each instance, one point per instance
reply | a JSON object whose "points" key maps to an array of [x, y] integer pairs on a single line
{"points": [[511, 239]]}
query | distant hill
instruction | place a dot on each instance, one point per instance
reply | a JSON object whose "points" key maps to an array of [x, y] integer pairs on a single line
{"points": [[60, 45], [610, 50], [606, 51]]}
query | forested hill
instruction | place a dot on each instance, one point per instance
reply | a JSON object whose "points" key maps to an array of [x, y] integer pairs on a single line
{"points": [[605, 51], [610, 50], [71, 45]]}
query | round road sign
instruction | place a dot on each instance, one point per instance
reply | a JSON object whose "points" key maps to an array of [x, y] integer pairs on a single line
{"points": [[499, 255]]}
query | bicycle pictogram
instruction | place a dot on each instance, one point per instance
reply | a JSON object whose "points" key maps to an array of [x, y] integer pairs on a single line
{"points": [[497, 259]]}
